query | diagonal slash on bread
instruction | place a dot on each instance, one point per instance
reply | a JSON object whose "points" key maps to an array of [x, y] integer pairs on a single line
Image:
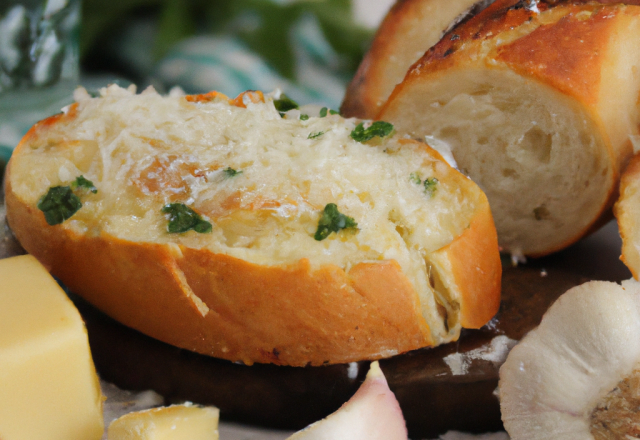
{"points": [[409, 29], [421, 263], [537, 101]]}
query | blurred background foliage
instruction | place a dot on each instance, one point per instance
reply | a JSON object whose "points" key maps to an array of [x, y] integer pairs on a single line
{"points": [[263, 25]]}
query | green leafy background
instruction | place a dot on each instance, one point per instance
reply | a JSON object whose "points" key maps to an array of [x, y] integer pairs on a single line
{"points": [[177, 19]]}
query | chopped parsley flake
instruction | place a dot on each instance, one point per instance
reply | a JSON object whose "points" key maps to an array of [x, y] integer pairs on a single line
{"points": [[230, 172], [324, 110], [315, 135], [284, 103], [332, 220], [430, 184], [82, 182], [182, 219], [58, 204], [378, 128], [304, 117]]}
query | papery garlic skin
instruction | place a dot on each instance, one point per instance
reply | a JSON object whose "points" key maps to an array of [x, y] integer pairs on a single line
{"points": [[587, 342], [372, 413]]}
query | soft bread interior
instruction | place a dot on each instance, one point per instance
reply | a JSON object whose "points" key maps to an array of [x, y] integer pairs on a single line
{"points": [[144, 151], [538, 155]]}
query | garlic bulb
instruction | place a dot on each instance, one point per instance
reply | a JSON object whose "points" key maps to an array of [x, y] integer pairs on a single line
{"points": [[576, 375]]}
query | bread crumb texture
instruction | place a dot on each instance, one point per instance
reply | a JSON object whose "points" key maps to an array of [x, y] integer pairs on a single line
{"points": [[262, 181]]}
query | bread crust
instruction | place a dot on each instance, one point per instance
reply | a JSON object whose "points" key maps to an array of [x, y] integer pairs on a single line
{"points": [[222, 306], [572, 52], [281, 315], [408, 30], [473, 271]]}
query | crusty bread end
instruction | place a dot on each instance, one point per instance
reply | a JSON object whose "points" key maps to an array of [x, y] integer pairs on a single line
{"points": [[409, 29]]}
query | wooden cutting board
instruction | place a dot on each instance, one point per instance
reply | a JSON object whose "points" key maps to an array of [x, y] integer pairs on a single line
{"points": [[451, 387]]}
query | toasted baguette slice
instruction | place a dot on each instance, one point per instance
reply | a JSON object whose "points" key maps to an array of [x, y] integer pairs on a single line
{"points": [[256, 286], [627, 212], [409, 29], [537, 104]]}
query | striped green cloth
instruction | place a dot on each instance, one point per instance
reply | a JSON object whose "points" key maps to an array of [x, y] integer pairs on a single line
{"points": [[226, 64]]}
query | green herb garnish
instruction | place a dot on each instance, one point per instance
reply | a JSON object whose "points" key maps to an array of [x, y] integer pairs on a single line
{"points": [[230, 172], [58, 204], [332, 220], [82, 182], [304, 117], [284, 103], [324, 110], [315, 135], [182, 219], [378, 128], [430, 185]]}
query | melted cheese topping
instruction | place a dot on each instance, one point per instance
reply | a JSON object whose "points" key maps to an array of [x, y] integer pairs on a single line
{"points": [[145, 151]]}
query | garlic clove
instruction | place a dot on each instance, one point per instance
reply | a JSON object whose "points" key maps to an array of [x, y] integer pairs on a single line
{"points": [[372, 413]]}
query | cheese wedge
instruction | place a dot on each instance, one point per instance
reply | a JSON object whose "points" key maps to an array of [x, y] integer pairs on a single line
{"points": [[176, 422], [49, 389]]}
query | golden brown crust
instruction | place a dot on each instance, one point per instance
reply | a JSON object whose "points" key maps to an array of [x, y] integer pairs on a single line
{"points": [[566, 55], [550, 51], [408, 30], [501, 16], [395, 46]]}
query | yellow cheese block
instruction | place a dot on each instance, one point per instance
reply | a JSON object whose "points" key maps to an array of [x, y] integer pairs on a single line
{"points": [[49, 389], [176, 422]]}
